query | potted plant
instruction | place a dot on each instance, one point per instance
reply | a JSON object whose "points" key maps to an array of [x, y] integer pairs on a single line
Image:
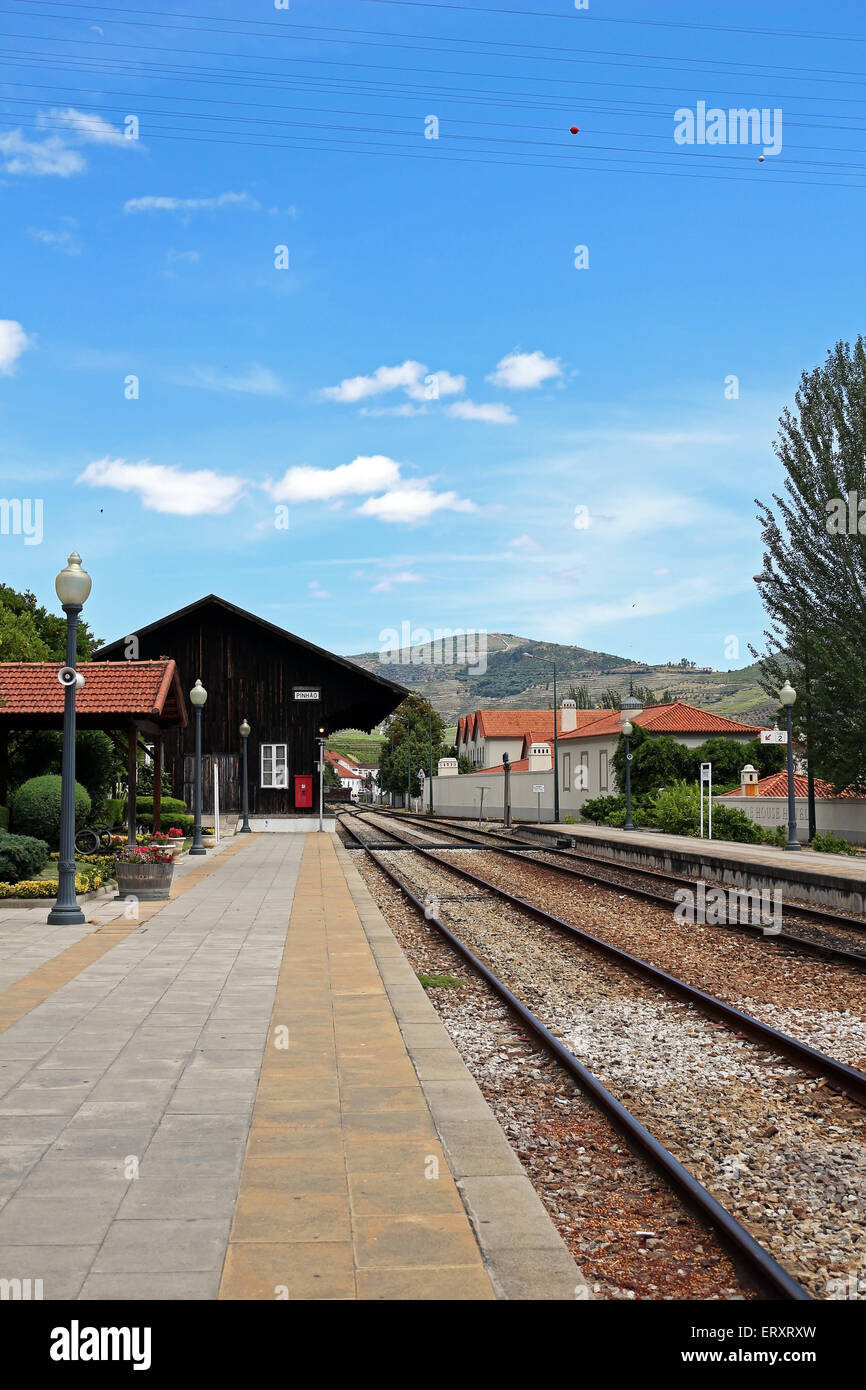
{"points": [[175, 842], [144, 872]]}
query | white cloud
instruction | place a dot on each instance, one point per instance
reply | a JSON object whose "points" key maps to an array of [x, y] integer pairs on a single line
{"points": [[524, 371], [493, 413], [160, 204], [391, 580], [316, 590], [525, 543], [13, 341], [418, 382], [87, 126], [167, 489], [190, 257], [255, 381], [413, 502], [367, 473], [58, 241], [51, 156]]}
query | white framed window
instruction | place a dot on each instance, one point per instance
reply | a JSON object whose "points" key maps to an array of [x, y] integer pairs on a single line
{"points": [[275, 772], [566, 772], [602, 770], [583, 782]]}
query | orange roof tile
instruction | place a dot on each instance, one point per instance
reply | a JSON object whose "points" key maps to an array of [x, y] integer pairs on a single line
{"points": [[676, 718], [777, 785], [148, 690]]}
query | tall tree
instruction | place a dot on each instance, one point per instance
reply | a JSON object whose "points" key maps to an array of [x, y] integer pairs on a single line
{"points": [[28, 632], [813, 579], [407, 745]]}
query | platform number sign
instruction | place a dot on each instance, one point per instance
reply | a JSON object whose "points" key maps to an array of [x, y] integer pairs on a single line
{"points": [[774, 736]]}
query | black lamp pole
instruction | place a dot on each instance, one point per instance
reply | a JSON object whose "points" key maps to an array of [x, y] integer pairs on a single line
{"points": [[627, 731], [430, 732], [197, 696], [555, 751], [245, 733], [71, 582], [788, 695]]}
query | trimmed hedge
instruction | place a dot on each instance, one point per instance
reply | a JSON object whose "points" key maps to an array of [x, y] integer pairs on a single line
{"points": [[21, 856], [115, 810], [35, 808], [175, 822], [170, 805]]}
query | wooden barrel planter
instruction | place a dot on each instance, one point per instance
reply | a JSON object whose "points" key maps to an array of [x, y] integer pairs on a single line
{"points": [[145, 881]]}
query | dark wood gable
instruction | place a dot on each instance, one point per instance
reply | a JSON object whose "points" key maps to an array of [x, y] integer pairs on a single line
{"points": [[250, 669]]}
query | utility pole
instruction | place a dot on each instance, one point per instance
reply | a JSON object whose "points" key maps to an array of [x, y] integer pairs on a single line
{"points": [[555, 751]]}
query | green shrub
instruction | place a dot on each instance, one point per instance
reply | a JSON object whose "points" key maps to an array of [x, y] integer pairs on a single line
{"points": [[730, 823], [676, 809], [115, 810], [169, 805], [832, 844], [175, 822], [599, 808], [35, 807], [778, 836], [21, 856], [4, 817]]}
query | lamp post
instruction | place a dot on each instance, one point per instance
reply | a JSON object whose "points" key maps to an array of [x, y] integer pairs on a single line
{"points": [[788, 695], [197, 697], [627, 731], [555, 751], [245, 733], [430, 733], [73, 587], [320, 739], [506, 774]]}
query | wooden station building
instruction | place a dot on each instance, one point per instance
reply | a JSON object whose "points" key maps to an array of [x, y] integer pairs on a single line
{"points": [[287, 689]]}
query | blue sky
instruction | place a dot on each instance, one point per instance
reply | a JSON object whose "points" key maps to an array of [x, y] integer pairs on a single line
{"points": [[584, 475]]}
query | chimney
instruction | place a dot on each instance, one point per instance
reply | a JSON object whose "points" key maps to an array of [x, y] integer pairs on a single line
{"points": [[568, 720], [749, 781], [447, 767], [539, 757]]}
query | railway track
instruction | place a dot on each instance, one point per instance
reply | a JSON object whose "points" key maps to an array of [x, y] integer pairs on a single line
{"points": [[816, 931], [769, 1273]]}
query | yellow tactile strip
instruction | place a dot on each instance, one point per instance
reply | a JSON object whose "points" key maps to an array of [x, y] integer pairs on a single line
{"points": [[345, 1192], [32, 989]]}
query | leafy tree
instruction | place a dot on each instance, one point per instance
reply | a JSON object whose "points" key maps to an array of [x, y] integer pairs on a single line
{"points": [[656, 762], [580, 695], [331, 777], [29, 632], [39, 751], [407, 745], [813, 579]]}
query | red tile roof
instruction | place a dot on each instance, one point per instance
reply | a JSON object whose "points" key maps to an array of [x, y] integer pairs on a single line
{"points": [[147, 690], [777, 785], [515, 723], [676, 718]]}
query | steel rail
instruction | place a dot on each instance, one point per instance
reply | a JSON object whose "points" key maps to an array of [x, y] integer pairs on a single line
{"points": [[499, 845], [809, 1059], [763, 1269]]}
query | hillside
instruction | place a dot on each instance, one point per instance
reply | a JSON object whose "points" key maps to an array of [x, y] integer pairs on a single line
{"points": [[519, 675]]}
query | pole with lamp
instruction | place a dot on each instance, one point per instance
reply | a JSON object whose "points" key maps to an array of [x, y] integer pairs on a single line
{"points": [[555, 751], [245, 827], [627, 731], [788, 695], [430, 733], [197, 697], [320, 739], [73, 588]]}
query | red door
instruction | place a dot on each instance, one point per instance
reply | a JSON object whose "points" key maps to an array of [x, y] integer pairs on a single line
{"points": [[303, 791]]}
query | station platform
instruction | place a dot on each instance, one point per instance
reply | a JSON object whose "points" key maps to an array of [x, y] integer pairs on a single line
{"points": [[827, 880], [246, 1094]]}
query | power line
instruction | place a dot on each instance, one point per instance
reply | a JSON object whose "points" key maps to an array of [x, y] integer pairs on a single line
{"points": [[576, 55], [585, 18]]}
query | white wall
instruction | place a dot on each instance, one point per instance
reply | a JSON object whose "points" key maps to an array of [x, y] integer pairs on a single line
{"points": [[460, 796], [840, 815]]}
